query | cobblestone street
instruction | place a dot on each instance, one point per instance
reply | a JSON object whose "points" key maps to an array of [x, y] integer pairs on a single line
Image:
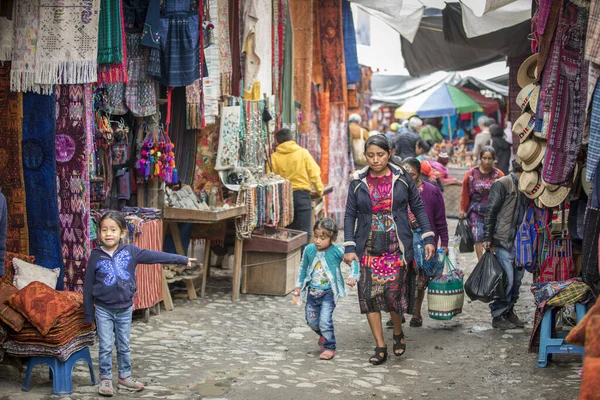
{"points": [[261, 348]]}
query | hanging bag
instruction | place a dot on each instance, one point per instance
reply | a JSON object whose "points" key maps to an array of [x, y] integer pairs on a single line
{"points": [[526, 242], [488, 280], [463, 230], [445, 293]]}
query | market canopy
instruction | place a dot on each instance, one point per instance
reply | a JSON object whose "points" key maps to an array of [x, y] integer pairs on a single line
{"points": [[479, 17], [442, 101]]}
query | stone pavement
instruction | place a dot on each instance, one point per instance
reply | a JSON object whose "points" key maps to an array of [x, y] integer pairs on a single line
{"points": [[261, 348]]}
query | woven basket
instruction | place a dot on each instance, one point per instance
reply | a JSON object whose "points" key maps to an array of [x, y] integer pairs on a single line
{"points": [[445, 299], [452, 191]]}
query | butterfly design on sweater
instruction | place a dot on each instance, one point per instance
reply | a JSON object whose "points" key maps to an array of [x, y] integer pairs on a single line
{"points": [[117, 267]]}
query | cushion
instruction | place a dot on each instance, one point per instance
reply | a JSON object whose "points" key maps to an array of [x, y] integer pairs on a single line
{"points": [[9, 271], [7, 314], [41, 305], [25, 273]]}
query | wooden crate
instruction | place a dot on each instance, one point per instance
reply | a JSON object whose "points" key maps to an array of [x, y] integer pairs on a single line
{"points": [[280, 241], [270, 273]]}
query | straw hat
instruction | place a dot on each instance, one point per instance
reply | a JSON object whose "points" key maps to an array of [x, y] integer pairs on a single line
{"points": [[531, 184], [531, 153], [527, 71], [524, 126], [528, 97], [554, 195]]}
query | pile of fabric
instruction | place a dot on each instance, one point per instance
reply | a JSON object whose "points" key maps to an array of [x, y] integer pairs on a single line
{"points": [[40, 321]]}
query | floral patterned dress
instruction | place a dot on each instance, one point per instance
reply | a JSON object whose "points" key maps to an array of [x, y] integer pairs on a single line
{"points": [[479, 191], [385, 284]]}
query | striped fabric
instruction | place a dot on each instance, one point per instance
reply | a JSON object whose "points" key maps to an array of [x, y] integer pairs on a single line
{"points": [[149, 277]]}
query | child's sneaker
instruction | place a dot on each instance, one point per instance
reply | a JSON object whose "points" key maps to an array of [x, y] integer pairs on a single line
{"points": [[106, 388], [130, 384]]}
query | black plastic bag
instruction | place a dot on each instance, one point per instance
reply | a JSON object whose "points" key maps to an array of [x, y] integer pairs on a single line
{"points": [[463, 230], [487, 281]]}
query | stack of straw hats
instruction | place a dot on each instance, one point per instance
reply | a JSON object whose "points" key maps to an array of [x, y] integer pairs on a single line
{"points": [[532, 147]]}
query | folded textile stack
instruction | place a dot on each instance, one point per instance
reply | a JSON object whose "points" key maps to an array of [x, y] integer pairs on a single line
{"points": [[43, 321], [62, 352]]}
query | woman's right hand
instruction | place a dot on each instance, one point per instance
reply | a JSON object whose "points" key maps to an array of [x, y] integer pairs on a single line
{"points": [[461, 215], [349, 257]]}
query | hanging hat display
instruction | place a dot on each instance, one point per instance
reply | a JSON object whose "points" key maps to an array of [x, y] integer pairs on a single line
{"points": [[531, 184], [527, 98], [527, 71], [524, 126], [555, 195], [531, 153]]}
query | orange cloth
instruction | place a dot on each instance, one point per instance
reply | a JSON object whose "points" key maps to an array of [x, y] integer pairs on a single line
{"points": [[302, 15]]}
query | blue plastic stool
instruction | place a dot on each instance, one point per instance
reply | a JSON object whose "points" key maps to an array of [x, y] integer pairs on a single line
{"points": [[556, 345], [60, 372]]}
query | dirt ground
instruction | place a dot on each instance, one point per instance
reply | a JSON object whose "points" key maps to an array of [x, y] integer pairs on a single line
{"points": [[261, 348]]}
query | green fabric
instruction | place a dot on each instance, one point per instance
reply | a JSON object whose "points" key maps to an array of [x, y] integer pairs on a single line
{"points": [[429, 132], [462, 101], [288, 107], [110, 39]]}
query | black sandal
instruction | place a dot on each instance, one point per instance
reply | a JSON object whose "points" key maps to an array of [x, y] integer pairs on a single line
{"points": [[377, 358], [398, 345], [416, 322]]}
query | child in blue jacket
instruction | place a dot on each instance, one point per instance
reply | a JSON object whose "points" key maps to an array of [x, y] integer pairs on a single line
{"points": [[108, 296], [321, 284]]}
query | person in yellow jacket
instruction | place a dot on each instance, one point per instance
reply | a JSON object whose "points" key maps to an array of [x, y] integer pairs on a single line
{"points": [[297, 165]]}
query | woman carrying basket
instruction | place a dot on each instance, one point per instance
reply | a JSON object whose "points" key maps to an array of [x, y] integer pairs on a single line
{"points": [[377, 234]]}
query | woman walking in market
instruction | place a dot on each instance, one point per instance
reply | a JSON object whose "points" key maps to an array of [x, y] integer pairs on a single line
{"points": [[435, 208], [475, 192], [377, 233]]}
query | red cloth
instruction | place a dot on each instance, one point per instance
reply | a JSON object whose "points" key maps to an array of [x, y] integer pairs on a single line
{"points": [[149, 277]]}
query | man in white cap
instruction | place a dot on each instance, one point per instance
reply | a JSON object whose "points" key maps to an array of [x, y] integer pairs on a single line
{"points": [[503, 215]]}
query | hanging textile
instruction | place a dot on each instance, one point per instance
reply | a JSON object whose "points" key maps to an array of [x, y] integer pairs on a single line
{"points": [[116, 71], [205, 175], [6, 38], [332, 49], [148, 278], [593, 155], [314, 140], [317, 70], [229, 138], [324, 111], [339, 170], [73, 104], [223, 42], [234, 37], [350, 52], [302, 14], [256, 43], [110, 38], [67, 45], [288, 108], [177, 63], [11, 164], [184, 139], [568, 97], [211, 84], [39, 170], [26, 20], [279, 24]]}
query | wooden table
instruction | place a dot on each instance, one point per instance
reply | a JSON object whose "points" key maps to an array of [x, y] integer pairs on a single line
{"points": [[171, 216]]}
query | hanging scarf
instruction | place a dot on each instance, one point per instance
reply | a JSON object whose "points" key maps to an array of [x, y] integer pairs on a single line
{"points": [[110, 38], [39, 169], [67, 47], [115, 72], [11, 165], [6, 38]]}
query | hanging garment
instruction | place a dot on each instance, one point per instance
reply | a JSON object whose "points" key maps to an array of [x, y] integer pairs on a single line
{"points": [[568, 97]]}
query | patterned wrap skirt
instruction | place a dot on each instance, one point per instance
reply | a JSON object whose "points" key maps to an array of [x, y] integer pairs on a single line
{"points": [[386, 284], [476, 221]]}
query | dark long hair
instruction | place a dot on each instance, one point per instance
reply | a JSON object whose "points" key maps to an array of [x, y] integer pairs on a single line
{"points": [[115, 216], [487, 149], [379, 141]]}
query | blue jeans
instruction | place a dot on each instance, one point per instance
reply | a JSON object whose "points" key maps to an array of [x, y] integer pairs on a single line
{"points": [[319, 316], [514, 276], [114, 324]]}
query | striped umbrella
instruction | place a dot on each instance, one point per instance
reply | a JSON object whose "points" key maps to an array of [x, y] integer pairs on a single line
{"points": [[442, 101]]}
